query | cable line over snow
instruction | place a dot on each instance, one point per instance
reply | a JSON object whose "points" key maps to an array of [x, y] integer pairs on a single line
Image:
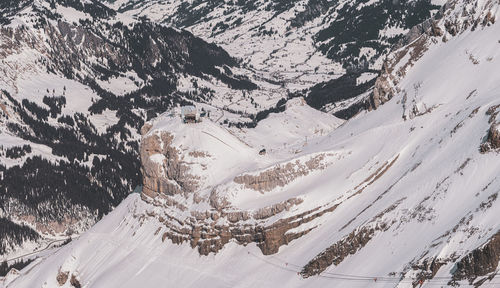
{"points": [[367, 278]]}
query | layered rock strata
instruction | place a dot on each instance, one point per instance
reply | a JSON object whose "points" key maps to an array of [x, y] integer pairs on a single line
{"points": [[170, 183]]}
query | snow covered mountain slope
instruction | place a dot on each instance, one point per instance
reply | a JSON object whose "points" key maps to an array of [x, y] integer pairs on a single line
{"points": [[299, 43], [403, 196], [298, 124], [77, 81]]}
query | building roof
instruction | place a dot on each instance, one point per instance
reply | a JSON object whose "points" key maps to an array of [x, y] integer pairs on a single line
{"points": [[188, 110]]}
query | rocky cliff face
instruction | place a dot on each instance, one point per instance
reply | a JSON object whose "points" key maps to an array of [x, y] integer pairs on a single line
{"points": [[452, 19], [166, 175], [492, 140], [171, 181], [76, 85], [494, 136], [281, 175], [480, 261]]}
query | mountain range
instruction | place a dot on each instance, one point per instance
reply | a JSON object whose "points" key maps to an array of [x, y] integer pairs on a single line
{"points": [[346, 143]]}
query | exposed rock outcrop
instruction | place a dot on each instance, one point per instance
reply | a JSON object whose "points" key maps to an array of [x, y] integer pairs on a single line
{"points": [[382, 92], [62, 278], [170, 182], [494, 136], [267, 212], [281, 174], [448, 22], [338, 251], [74, 282], [480, 261], [203, 231], [428, 268], [348, 245], [492, 141], [429, 27], [163, 171]]}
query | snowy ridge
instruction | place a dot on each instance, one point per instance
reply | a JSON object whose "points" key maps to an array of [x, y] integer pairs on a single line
{"points": [[408, 195]]}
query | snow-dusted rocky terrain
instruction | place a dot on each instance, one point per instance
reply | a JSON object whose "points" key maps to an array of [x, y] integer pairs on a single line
{"points": [[77, 82], [293, 35], [79, 78], [402, 196], [298, 43]]}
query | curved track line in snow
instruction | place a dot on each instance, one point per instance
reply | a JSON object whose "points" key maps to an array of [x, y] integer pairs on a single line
{"points": [[35, 252]]}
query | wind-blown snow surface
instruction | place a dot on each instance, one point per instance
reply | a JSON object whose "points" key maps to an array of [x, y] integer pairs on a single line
{"points": [[419, 179]]}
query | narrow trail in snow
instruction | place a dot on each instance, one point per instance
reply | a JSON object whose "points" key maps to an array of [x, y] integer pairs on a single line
{"points": [[218, 119], [218, 139], [35, 252]]}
